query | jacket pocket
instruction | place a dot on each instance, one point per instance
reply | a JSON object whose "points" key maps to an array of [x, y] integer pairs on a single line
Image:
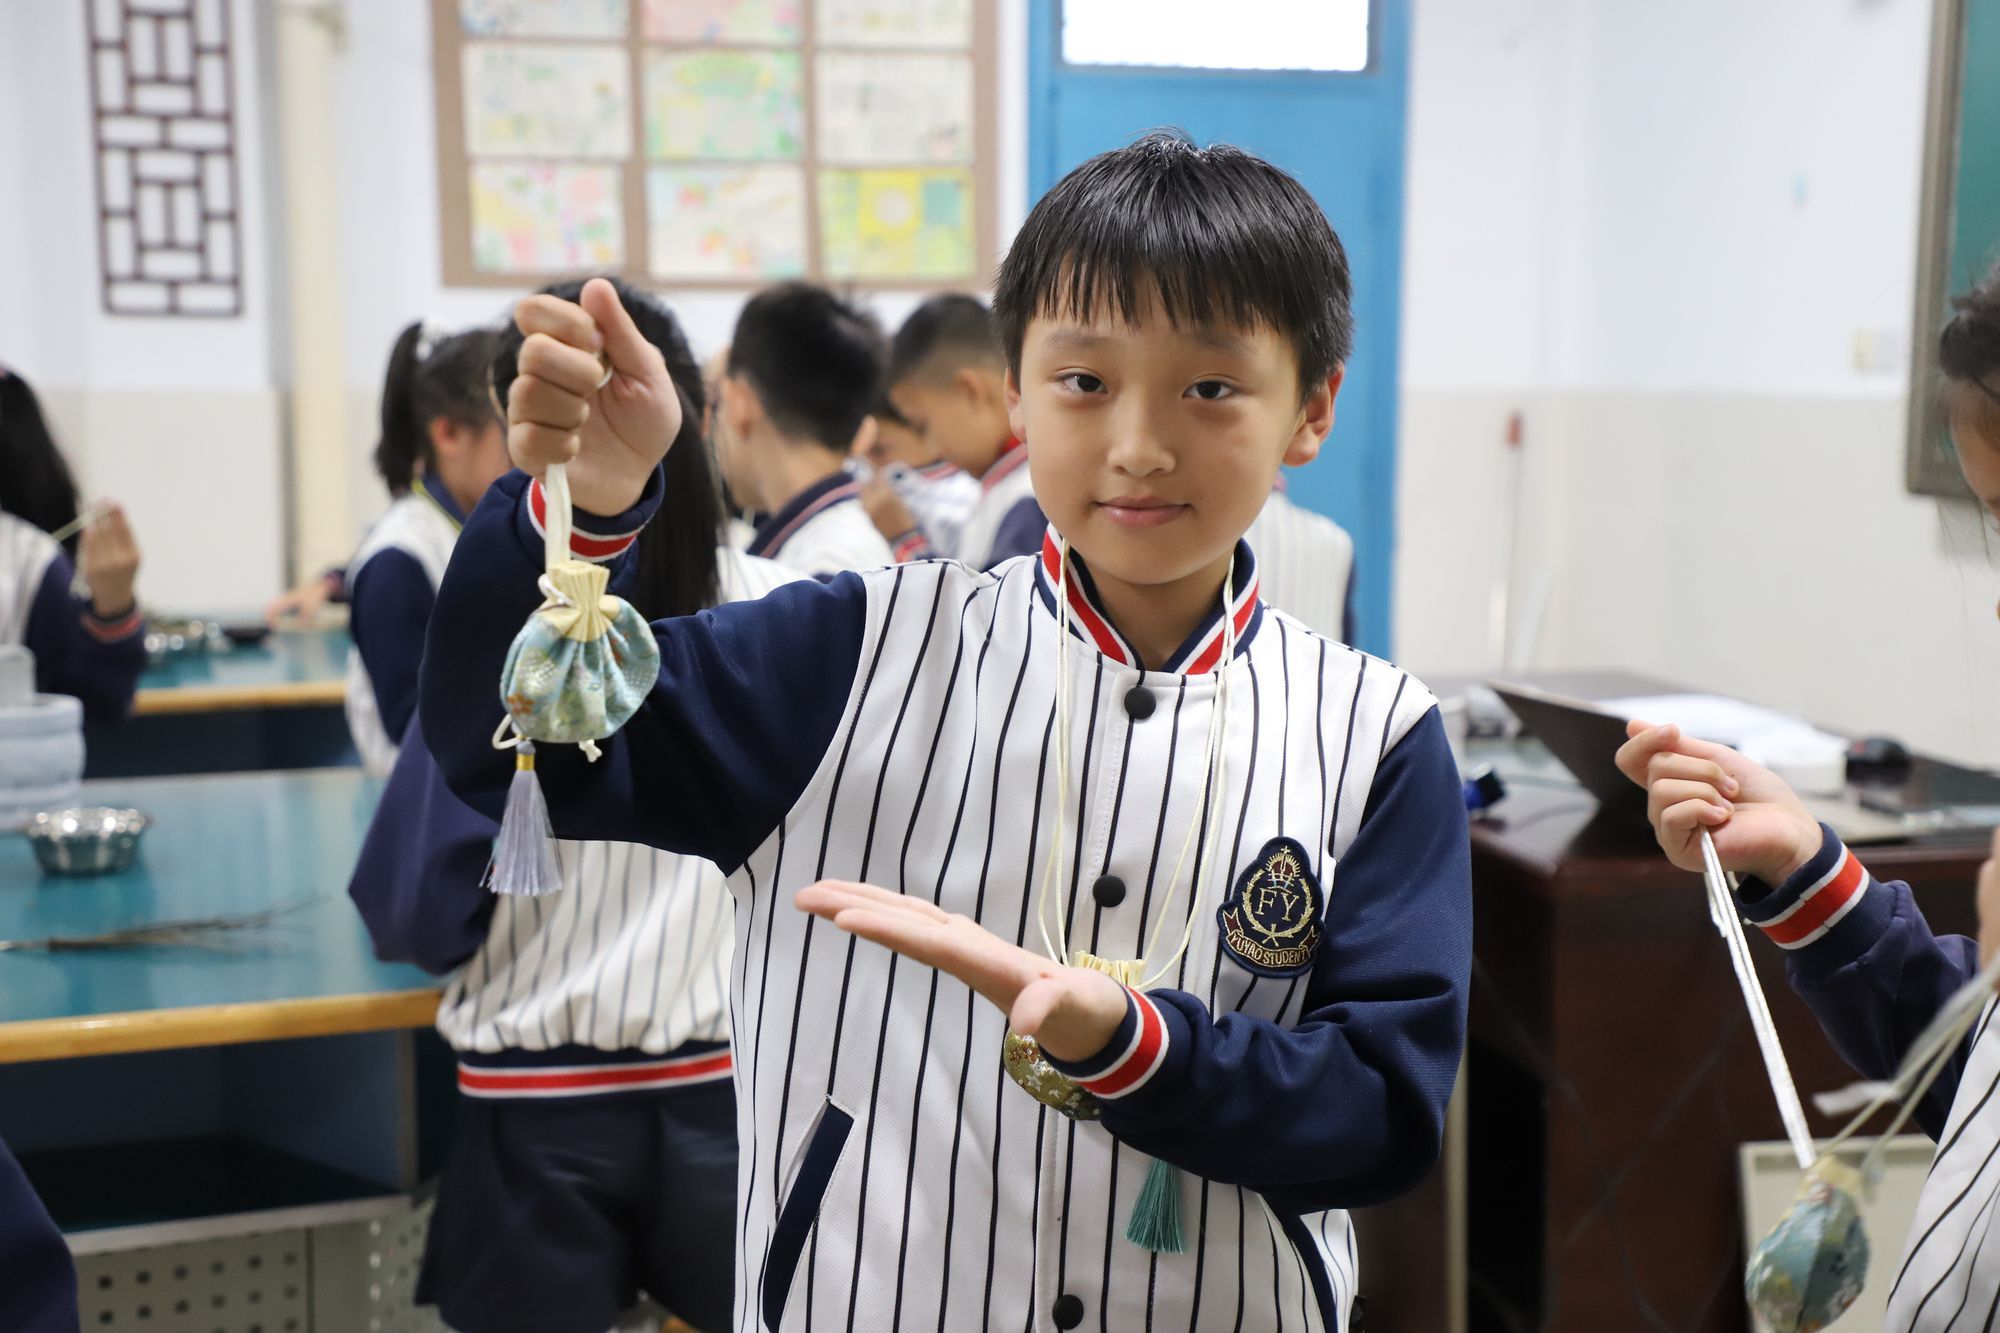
{"points": [[801, 1208]]}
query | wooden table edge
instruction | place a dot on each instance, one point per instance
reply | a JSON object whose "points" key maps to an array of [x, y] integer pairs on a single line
{"points": [[215, 1025], [238, 698]]}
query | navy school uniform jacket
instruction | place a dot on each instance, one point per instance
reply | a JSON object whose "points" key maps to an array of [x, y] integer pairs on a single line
{"points": [[1860, 954], [420, 881], [896, 727]]}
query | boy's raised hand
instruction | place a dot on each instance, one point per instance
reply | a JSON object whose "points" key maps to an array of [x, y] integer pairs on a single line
{"points": [[1760, 827], [1071, 1011], [561, 408]]}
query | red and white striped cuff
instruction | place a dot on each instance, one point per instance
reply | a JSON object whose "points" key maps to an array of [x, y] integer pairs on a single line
{"points": [[586, 1080], [1820, 906], [111, 631], [1129, 1060], [584, 545]]}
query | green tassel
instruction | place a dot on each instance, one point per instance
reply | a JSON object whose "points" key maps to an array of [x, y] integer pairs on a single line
{"points": [[1156, 1218]]}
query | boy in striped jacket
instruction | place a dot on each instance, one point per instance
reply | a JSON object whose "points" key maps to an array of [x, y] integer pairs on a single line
{"points": [[1193, 877]]}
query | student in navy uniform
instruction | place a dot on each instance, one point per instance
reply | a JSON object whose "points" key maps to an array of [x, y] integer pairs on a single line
{"points": [[948, 379], [441, 446], [1857, 950], [804, 368], [596, 1151], [91, 645], [1115, 746]]}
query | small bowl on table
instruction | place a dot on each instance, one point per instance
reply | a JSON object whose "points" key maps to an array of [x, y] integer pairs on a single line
{"points": [[92, 840]]}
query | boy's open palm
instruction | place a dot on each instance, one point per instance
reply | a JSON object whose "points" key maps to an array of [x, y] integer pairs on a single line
{"points": [[561, 408], [1760, 827], [1071, 1011]]}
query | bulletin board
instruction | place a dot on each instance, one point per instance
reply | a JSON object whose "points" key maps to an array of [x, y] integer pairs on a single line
{"points": [[717, 143], [1959, 231]]}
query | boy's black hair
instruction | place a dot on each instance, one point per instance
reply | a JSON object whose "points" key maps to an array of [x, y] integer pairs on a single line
{"points": [[1969, 348], [814, 359], [1219, 236], [673, 569], [885, 410], [36, 484], [950, 331], [447, 380]]}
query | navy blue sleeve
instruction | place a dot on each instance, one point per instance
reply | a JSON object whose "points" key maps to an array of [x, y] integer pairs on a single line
{"points": [[749, 697], [37, 1275], [1862, 957], [420, 882], [391, 599], [95, 661], [1347, 1107], [1019, 533]]}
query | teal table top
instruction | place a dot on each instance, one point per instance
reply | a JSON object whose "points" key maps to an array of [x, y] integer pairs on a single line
{"points": [[222, 844], [285, 658]]}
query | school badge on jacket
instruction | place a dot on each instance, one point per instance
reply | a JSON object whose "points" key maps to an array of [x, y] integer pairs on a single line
{"points": [[1270, 920]]}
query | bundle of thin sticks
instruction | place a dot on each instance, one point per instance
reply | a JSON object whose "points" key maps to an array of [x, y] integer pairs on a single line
{"points": [[216, 934]]}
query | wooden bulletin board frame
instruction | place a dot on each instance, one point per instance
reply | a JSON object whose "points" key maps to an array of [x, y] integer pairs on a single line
{"points": [[455, 163], [1958, 231]]}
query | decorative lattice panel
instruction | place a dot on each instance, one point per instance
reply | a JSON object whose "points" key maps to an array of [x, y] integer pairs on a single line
{"points": [[170, 237]]}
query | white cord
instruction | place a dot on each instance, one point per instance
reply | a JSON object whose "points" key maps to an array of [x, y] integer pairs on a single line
{"points": [[1722, 911], [557, 521], [1215, 770]]}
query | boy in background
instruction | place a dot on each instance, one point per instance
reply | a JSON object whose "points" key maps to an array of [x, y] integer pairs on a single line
{"points": [[803, 372], [919, 502], [1106, 789], [948, 380]]}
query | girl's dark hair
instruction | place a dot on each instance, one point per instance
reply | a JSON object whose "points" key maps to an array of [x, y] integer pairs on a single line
{"points": [[674, 569], [1969, 348], [427, 380], [1218, 236], [36, 485]]}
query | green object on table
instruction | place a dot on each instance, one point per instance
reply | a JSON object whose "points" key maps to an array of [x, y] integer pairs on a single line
{"points": [[223, 844], [285, 657]]}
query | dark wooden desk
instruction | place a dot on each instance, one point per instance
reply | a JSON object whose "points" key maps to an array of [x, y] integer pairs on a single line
{"points": [[1611, 1072]]}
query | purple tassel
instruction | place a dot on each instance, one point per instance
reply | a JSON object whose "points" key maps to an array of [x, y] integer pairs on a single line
{"points": [[524, 861]]}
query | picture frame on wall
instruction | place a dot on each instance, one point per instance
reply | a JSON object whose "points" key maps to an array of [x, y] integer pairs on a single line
{"points": [[717, 144], [1958, 230]]}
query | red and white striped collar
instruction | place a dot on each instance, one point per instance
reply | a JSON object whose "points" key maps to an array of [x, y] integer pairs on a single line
{"points": [[1013, 455], [1202, 650], [801, 509]]}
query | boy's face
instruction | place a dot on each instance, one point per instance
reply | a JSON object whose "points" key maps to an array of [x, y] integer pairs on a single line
{"points": [[960, 415], [892, 442], [1153, 448]]}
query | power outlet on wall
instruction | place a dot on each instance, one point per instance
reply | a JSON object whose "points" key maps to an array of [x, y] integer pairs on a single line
{"points": [[1877, 352]]}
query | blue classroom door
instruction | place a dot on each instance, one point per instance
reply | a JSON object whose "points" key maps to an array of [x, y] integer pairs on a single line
{"points": [[1342, 135]]}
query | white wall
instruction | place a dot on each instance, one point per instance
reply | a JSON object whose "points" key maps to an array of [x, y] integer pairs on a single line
{"points": [[1657, 232], [177, 418]]}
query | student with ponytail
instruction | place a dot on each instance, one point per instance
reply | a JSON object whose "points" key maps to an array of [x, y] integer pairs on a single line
{"points": [[91, 645], [595, 1154], [441, 446]]}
